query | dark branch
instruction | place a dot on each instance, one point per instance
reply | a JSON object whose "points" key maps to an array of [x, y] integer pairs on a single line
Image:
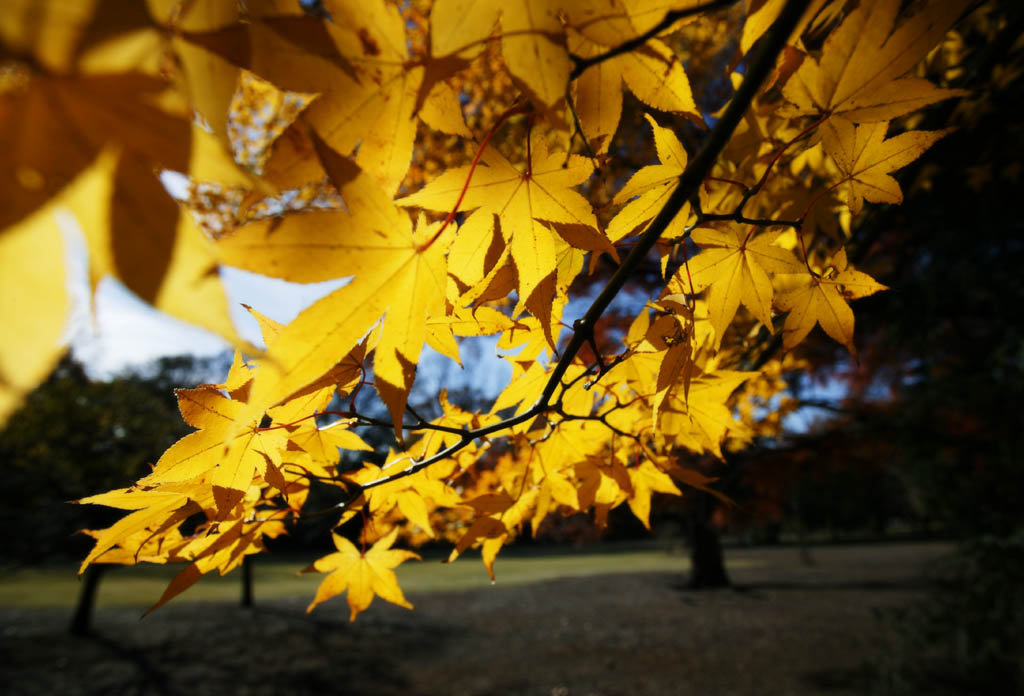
{"points": [[743, 220], [689, 182], [581, 64]]}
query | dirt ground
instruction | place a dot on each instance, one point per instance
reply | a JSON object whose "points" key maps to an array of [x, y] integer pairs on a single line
{"points": [[786, 628]]}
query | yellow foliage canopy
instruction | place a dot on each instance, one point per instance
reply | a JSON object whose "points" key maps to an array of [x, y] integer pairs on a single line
{"points": [[303, 136]]}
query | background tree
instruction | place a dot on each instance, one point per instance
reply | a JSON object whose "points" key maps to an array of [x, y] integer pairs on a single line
{"points": [[940, 370], [74, 435], [305, 132]]}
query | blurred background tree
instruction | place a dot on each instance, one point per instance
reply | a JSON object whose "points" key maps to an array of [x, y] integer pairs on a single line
{"points": [[77, 435], [934, 401]]}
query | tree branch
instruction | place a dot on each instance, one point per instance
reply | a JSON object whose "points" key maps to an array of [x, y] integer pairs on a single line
{"points": [[581, 64], [689, 182]]}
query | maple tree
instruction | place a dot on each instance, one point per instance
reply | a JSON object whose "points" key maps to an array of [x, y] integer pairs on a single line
{"points": [[460, 163]]}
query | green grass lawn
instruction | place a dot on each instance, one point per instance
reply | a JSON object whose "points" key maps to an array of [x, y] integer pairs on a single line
{"points": [[276, 578]]}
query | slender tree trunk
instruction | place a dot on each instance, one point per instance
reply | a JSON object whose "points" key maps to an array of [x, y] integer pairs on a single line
{"points": [[81, 621], [707, 565], [247, 582], [806, 555]]}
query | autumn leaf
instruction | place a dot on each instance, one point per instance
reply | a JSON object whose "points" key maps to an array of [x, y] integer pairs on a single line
{"points": [[532, 40], [32, 338], [734, 265], [418, 296], [482, 321], [356, 64], [649, 188], [223, 551], [702, 421], [500, 515], [667, 349], [646, 480], [526, 199], [54, 127], [322, 443], [362, 574], [120, 120], [372, 111], [396, 273], [233, 464], [411, 494], [859, 74], [653, 74], [822, 300], [150, 509], [865, 158]]}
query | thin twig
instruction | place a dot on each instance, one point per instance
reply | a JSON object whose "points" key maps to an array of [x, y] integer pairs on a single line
{"points": [[744, 220], [581, 64]]}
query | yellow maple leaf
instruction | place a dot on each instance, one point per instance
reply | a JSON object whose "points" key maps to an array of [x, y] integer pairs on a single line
{"points": [[865, 157], [734, 265], [92, 101], [34, 307], [396, 273], [649, 188], [647, 479], [670, 337], [356, 64], [374, 108], [223, 550], [411, 494], [525, 199], [653, 73], [859, 74], [823, 300], [150, 508], [54, 126], [702, 421], [532, 40], [482, 321], [419, 294], [322, 443], [362, 574], [500, 516], [233, 465]]}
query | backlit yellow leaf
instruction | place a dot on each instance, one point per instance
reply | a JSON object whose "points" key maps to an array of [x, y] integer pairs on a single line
{"points": [[860, 72], [524, 198], [865, 158], [823, 301], [34, 308], [362, 574], [648, 189], [734, 264]]}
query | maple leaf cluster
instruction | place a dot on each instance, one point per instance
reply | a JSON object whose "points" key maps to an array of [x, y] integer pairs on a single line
{"points": [[304, 130]]}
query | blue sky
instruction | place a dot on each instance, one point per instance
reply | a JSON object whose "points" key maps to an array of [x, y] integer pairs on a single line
{"points": [[114, 330], [123, 332]]}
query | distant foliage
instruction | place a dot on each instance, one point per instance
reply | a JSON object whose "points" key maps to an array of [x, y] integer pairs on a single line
{"points": [[72, 436], [967, 635]]}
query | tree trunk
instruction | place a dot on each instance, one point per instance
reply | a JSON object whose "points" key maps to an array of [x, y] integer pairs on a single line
{"points": [[81, 621], [247, 582], [707, 565]]}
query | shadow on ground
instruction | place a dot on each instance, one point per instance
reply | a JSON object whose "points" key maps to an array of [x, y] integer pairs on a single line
{"points": [[197, 649], [789, 629]]}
